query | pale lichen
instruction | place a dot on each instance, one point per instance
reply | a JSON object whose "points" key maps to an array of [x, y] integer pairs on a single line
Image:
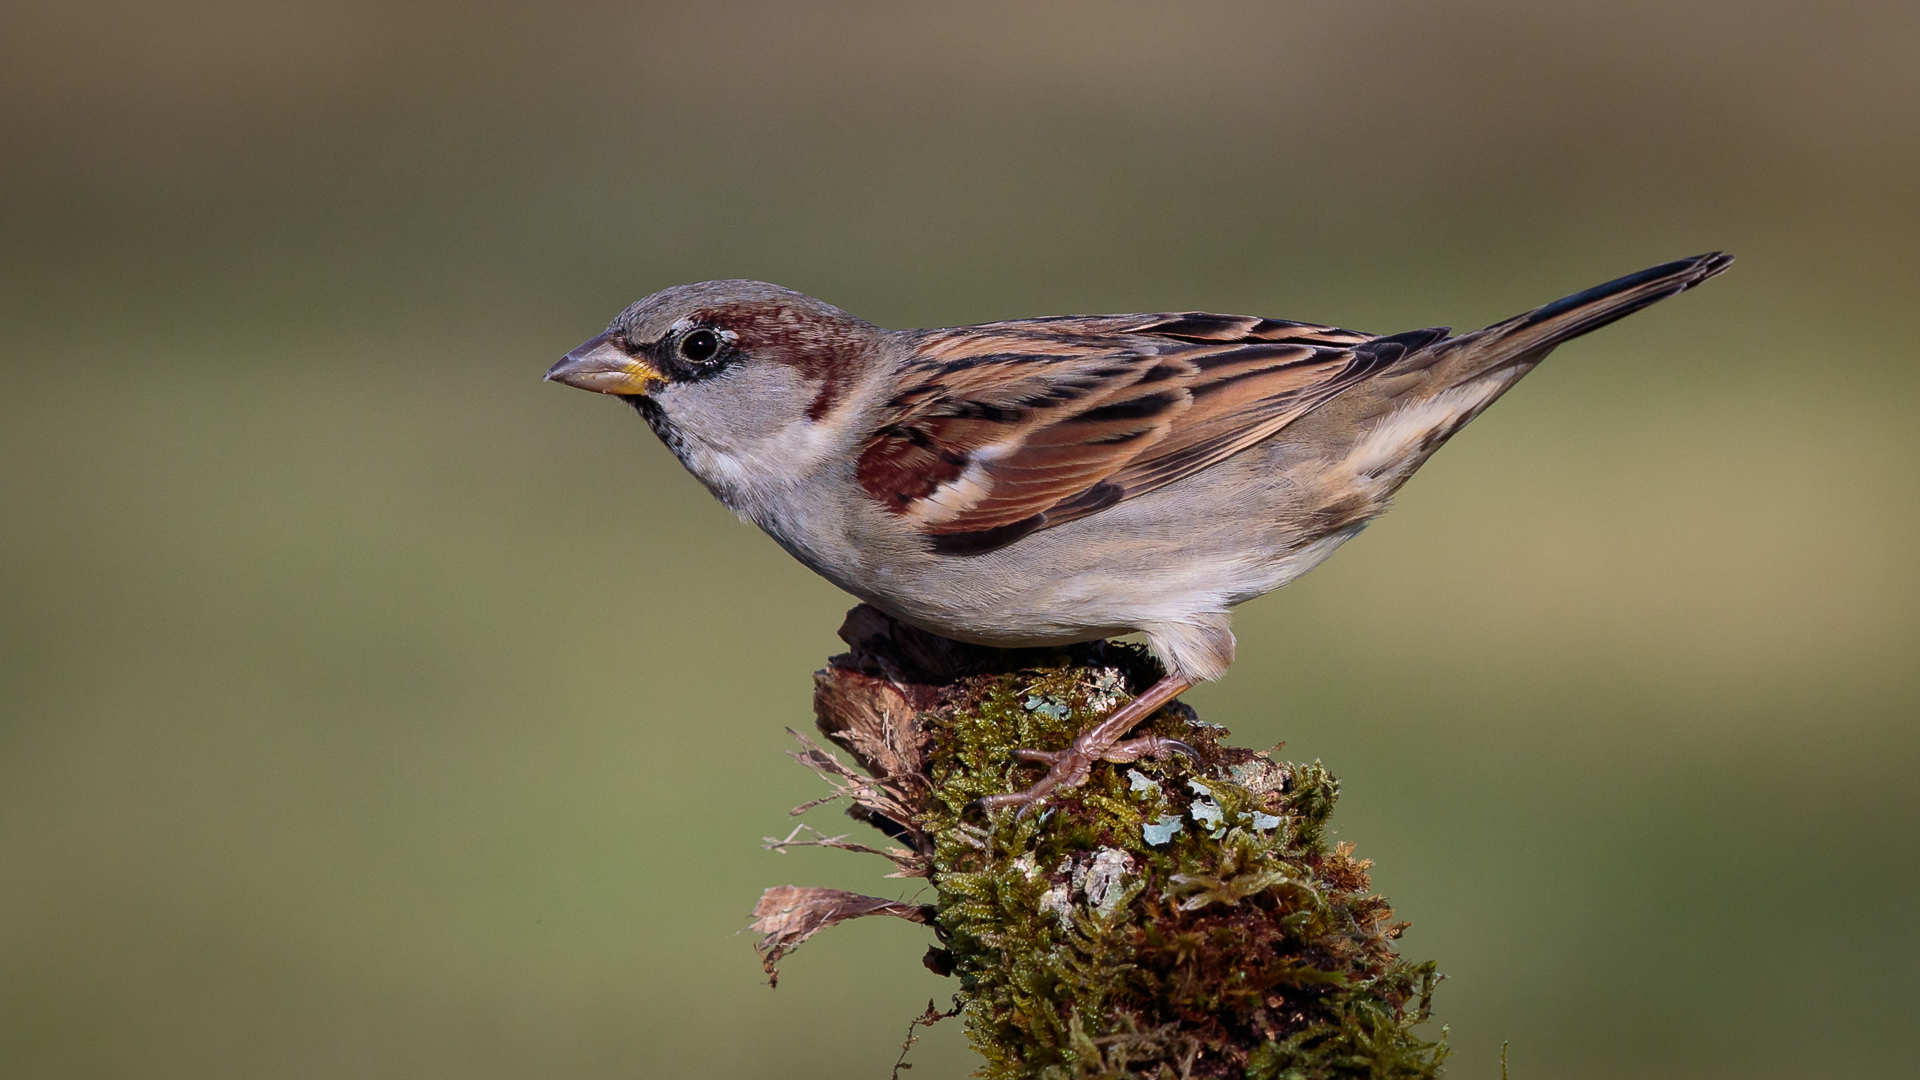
{"points": [[1178, 918]]}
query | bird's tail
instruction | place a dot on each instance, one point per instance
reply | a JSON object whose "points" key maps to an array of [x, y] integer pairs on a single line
{"points": [[1411, 408], [1525, 339]]}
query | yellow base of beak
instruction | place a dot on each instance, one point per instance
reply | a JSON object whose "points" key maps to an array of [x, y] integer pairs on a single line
{"points": [[603, 367]]}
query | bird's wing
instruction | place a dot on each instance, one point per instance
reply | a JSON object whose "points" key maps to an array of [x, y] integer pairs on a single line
{"points": [[1008, 428]]}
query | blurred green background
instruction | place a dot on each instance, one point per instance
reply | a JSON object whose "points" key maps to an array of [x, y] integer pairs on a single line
{"points": [[369, 709]]}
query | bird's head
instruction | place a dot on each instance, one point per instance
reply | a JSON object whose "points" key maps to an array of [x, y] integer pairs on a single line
{"points": [[733, 375]]}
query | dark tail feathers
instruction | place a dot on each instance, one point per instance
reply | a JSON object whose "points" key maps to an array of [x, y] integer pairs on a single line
{"points": [[1526, 338]]}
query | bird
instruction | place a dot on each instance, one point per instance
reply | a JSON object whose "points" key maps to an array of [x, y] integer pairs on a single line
{"points": [[1047, 481]]}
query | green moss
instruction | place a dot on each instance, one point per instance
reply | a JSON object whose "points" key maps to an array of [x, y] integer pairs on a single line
{"points": [[1239, 944], [1177, 918]]}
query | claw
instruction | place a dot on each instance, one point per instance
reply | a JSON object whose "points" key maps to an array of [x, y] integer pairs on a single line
{"points": [[1025, 800], [1149, 746], [1101, 742]]}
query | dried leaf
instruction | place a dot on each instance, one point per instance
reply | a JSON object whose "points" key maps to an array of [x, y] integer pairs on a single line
{"points": [[790, 914], [881, 803]]}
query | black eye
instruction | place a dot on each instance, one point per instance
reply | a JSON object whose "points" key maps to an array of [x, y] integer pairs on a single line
{"points": [[700, 346]]}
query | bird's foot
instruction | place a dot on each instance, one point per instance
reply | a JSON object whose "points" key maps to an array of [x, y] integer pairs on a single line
{"points": [[1104, 741]]}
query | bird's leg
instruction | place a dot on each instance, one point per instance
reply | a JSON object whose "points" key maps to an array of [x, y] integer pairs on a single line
{"points": [[1101, 742]]}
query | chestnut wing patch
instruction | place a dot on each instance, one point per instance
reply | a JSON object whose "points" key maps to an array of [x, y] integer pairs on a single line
{"points": [[1010, 428], [995, 433]]}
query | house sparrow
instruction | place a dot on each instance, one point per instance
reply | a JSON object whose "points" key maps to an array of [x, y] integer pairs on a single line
{"points": [[1049, 481]]}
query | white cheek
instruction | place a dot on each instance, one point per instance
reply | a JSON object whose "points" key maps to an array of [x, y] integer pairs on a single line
{"points": [[800, 446]]}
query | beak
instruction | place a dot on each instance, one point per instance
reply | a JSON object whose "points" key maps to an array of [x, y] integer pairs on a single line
{"points": [[604, 367]]}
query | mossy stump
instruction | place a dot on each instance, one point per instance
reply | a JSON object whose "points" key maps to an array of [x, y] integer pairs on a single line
{"points": [[1176, 918]]}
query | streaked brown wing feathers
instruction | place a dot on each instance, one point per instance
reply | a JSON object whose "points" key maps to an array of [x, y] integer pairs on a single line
{"points": [[1062, 459], [1242, 329], [1004, 423], [1013, 427]]}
